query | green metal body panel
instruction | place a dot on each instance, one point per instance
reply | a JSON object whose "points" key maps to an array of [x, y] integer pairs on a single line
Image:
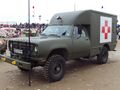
{"points": [[95, 32], [92, 18]]}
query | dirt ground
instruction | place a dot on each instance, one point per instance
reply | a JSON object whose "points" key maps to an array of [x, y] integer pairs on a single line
{"points": [[80, 75]]}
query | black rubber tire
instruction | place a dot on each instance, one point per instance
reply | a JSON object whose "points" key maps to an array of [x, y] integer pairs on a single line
{"points": [[102, 58], [54, 68], [23, 69]]}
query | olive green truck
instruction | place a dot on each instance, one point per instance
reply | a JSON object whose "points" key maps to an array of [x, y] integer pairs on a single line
{"points": [[69, 36]]}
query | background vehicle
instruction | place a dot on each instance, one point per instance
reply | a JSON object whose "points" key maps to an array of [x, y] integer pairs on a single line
{"points": [[3, 46]]}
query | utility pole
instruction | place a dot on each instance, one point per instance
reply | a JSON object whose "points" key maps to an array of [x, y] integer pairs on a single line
{"points": [[29, 41], [75, 6]]}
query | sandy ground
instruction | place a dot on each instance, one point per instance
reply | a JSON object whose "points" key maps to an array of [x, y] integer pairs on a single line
{"points": [[80, 75]]}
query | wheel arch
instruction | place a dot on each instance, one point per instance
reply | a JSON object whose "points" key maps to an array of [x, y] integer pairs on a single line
{"points": [[61, 51], [107, 46]]}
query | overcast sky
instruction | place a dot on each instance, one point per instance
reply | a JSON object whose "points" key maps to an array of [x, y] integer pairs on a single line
{"points": [[16, 10]]}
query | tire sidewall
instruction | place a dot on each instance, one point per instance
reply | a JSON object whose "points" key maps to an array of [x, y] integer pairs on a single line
{"points": [[55, 59]]}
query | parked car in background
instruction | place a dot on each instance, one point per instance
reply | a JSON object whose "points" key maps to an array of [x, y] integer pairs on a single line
{"points": [[7, 32], [3, 46]]}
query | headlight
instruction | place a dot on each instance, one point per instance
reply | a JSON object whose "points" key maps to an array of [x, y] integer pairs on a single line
{"points": [[10, 45], [36, 49]]}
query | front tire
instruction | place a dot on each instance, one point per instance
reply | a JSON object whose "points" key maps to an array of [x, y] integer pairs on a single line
{"points": [[54, 68], [102, 58]]}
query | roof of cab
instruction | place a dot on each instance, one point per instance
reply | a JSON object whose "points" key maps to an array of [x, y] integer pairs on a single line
{"points": [[75, 17]]}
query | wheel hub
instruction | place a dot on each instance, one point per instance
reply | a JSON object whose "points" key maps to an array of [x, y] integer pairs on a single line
{"points": [[57, 69]]}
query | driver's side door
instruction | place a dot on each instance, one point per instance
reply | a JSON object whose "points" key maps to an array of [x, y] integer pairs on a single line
{"points": [[81, 42]]}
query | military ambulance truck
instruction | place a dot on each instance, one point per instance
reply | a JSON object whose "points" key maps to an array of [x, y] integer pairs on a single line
{"points": [[70, 35]]}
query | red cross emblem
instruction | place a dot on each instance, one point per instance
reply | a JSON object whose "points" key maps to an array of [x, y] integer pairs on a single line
{"points": [[106, 29]]}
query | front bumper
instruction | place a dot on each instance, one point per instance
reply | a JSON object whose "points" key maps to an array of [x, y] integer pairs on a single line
{"points": [[19, 63]]}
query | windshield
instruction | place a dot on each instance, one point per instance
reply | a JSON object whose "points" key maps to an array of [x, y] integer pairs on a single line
{"points": [[57, 30]]}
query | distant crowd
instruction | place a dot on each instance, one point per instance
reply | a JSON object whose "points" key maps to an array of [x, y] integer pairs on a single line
{"points": [[17, 30], [24, 25]]}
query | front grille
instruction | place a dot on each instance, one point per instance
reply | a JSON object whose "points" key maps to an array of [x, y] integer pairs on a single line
{"points": [[24, 46]]}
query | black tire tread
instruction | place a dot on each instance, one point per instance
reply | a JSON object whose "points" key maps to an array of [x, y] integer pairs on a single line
{"points": [[99, 57], [46, 67]]}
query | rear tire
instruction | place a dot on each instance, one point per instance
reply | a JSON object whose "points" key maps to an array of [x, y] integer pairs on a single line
{"points": [[102, 58], [54, 68]]}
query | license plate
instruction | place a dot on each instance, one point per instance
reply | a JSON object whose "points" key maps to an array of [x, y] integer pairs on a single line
{"points": [[18, 51]]}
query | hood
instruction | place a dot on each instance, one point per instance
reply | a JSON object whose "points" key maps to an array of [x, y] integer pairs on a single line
{"points": [[35, 40]]}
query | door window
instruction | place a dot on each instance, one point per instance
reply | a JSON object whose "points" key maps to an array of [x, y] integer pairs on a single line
{"points": [[79, 31]]}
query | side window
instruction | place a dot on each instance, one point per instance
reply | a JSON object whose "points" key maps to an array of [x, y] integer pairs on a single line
{"points": [[79, 31]]}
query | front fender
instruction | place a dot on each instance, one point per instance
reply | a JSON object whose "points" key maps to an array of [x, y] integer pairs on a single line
{"points": [[45, 48]]}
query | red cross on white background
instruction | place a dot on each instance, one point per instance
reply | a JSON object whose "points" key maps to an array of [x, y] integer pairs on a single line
{"points": [[106, 29]]}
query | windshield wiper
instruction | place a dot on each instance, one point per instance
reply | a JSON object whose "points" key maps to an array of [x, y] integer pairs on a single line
{"points": [[64, 33]]}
